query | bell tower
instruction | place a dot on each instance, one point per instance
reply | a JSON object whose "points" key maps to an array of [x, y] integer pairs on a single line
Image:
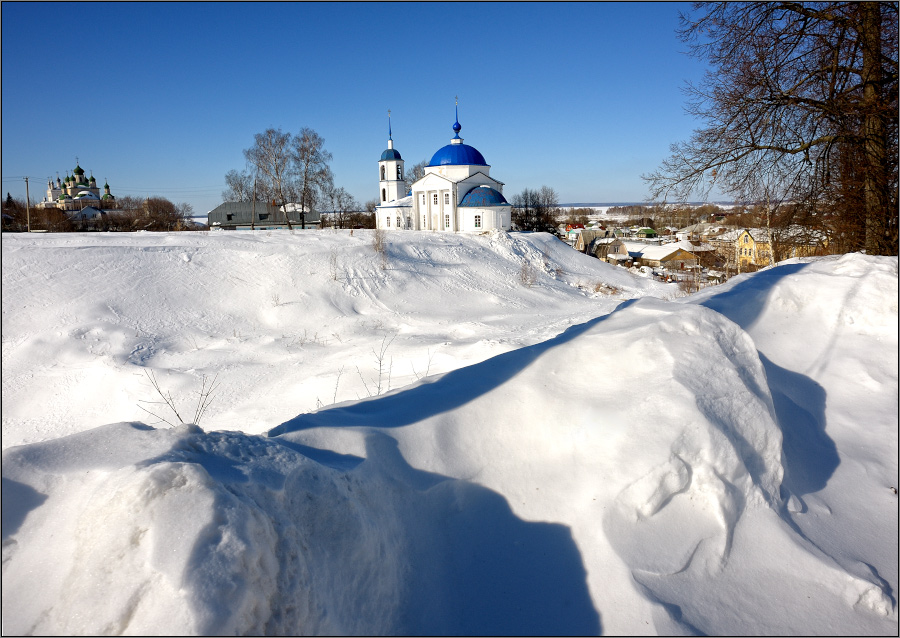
{"points": [[390, 172]]}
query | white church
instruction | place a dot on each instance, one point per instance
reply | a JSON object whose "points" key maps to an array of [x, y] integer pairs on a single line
{"points": [[457, 192]]}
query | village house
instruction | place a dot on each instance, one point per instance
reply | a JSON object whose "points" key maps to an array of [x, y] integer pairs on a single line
{"points": [[617, 253], [585, 237], [260, 216], [668, 256], [701, 232], [747, 249]]}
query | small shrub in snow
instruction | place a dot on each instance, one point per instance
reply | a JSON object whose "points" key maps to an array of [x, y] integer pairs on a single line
{"points": [[527, 274], [378, 245], [203, 401]]}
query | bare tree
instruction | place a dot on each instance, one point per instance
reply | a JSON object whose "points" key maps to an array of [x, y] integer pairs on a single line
{"points": [[239, 186], [795, 89], [535, 209], [414, 173], [311, 164], [270, 155], [162, 214]]}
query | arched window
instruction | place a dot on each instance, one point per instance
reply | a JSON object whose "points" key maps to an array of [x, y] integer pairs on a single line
{"points": [[387, 221], [383, 195], [447, 199], [382, 174], [746, 239], [435, 199], [398, 221], [399, 172]]}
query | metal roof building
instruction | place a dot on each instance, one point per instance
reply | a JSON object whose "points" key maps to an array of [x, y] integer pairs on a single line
{"points": [[259, 215]]}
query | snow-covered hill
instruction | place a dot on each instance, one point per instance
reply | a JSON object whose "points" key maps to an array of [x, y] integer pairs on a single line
{"points": [[276, 316], [511, 438]]}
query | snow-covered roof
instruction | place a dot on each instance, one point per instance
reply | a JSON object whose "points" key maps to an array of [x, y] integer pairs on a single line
{"points": [[403, 202]]}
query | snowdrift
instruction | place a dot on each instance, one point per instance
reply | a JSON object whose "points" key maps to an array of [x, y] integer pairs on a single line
{"points": [[277, 316], [642, 471]]}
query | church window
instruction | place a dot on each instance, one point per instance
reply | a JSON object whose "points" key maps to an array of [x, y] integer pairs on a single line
{"points": [[383, 195], [477, 221], [382, 173], [398, 221], [423, 199], [388, 221], [399, 172], [447, 198], [446, 221], [435, 199], [424, 221]]}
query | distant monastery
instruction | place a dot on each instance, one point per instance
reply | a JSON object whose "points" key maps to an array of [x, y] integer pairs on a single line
{"points": [[76, 192], [457, 192]]}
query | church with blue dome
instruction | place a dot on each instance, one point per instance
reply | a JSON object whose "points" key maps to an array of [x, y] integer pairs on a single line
{"points": [[456, 194]]}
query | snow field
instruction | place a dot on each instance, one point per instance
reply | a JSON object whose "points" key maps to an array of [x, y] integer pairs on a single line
{"points": [[572, 463]]}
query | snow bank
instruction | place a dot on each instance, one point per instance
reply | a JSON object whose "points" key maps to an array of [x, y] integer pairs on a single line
{"points": [[277, 316], [640, 471]]}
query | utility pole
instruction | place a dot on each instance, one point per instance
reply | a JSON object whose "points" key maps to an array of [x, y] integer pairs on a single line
{"points": [[27, 206], [253, 203]]}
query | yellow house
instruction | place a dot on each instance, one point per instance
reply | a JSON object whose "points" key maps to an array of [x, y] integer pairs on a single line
{"points": [[752, 248]]}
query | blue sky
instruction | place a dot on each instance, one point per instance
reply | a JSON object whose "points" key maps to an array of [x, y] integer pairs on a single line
{"points": [[162, 98]]}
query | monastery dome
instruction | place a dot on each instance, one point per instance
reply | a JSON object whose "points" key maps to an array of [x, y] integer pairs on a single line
{"points": [[390, 154], [481, 196]]}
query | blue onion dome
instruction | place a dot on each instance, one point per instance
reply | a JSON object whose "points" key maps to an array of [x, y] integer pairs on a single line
{"points": [[482, 196], [390, 154], [457, 154]]}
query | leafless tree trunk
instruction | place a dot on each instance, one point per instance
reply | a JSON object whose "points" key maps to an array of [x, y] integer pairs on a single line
{"points": [[271, 156], [311, 161]]}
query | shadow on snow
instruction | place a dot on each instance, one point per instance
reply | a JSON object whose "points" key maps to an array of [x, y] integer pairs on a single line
{"points": [[429, 398]]}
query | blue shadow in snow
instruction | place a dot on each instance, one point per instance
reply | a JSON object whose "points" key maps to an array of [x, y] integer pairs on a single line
{"points": [[448, 392], [17, 500], [478, 569], [809, 455]]}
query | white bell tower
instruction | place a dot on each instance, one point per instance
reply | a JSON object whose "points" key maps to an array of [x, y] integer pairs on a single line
{"points": [[390, 172]]}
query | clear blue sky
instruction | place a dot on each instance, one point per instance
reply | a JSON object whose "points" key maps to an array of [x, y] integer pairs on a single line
{"points": [[162, 98]]}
